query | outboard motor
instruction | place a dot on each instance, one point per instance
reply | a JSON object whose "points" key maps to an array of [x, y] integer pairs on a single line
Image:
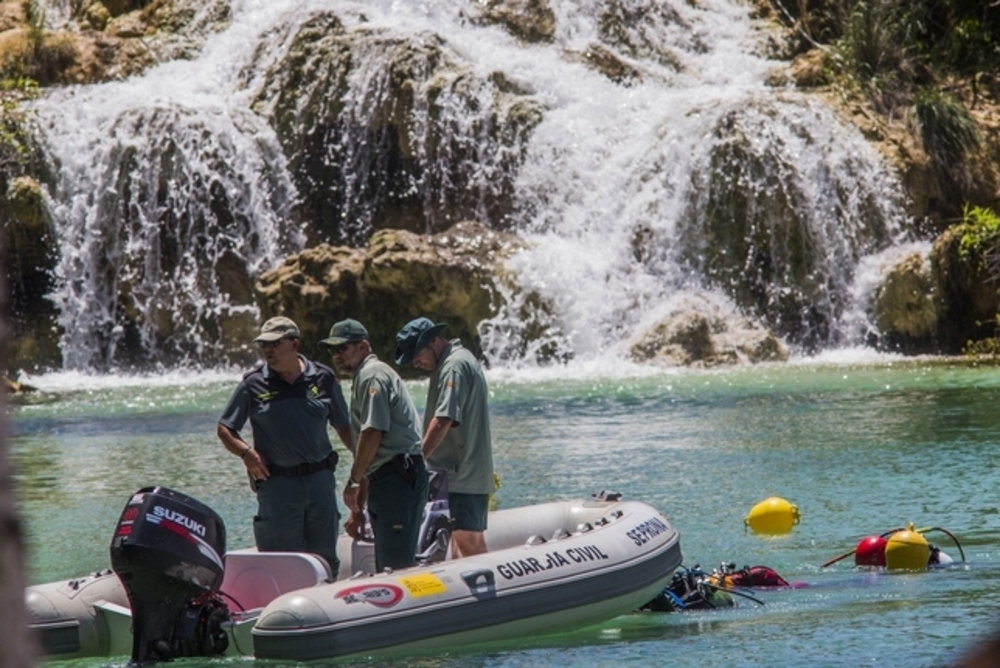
{"points": [[167, 550]]}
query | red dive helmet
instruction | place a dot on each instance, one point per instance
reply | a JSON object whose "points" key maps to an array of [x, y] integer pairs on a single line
{"points": [[870, 551]]}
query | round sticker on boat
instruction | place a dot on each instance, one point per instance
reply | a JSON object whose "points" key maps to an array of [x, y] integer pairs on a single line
{"points": [[381, 595]]}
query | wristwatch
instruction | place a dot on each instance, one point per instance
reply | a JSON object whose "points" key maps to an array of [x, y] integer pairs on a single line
{"points": [[351, 482]]}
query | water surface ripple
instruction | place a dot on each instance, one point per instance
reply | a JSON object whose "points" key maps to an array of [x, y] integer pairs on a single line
{"points": [[859, 449]]}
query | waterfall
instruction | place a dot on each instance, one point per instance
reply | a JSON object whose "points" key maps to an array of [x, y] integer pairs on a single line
{"points": [[168, 191], [637, 195], [682, 173]]}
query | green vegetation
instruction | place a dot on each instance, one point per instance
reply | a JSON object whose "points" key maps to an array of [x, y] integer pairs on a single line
{"points": [[874, 54], [930, 61], [946, 128], [949, 136], [15, 151], [980, 233], [979, 245], [983, 348], [42, 55], [905, 43]]}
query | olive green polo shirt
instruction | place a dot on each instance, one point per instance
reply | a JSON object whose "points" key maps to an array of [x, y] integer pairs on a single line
{"points": [[380, 400], [458, 391]]}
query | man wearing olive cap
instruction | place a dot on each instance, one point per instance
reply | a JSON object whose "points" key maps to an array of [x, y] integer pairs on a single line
{"points": [[456, 427], [388, 471], [289, 401]]}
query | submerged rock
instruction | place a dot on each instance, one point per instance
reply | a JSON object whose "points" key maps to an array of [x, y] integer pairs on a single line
{"points": [[601, 59]]}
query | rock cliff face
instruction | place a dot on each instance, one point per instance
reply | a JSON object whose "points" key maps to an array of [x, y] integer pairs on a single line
{"points": [[29, 255], [376, 128]]}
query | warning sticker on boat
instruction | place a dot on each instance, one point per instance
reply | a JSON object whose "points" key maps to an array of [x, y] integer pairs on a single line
{"points": [[381, 595], [424, 584]]}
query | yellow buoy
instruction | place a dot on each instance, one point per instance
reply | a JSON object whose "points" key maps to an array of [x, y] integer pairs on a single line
{"points": [[772, 516], [907, 550]]}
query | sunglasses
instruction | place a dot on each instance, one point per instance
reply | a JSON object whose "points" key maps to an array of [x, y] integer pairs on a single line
{"points": [[337, 350], [264, 345]]}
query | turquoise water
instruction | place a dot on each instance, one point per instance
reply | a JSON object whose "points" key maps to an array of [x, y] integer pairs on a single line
{"points": [[859, 449]]}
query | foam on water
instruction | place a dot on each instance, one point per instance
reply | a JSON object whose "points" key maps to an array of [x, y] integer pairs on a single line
{"points": [[76, 381]]}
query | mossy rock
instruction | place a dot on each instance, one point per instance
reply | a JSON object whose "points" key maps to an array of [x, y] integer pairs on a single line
{"points": [[698, 332], [906, 307], [449, 277], [968, 297]]}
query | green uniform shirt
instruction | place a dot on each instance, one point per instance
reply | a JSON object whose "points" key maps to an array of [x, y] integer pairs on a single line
{"points": [[379, 400], [458, 391]]}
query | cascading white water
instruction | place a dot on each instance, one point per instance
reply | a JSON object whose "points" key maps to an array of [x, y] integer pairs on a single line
{"points": [[162, 180], [618, 192], [626, 179]]}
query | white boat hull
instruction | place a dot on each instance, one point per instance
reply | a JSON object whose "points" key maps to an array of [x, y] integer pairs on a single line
{"points": [[551, 567], [623, 559]]}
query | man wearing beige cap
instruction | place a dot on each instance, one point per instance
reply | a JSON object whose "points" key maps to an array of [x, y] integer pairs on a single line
{"points": [[289, 401]]}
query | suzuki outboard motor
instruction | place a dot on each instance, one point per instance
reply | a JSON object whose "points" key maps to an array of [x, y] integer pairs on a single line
{"points": [[167, 550]]}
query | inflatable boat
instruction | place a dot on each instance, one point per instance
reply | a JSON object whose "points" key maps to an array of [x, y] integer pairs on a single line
{"points": [[550, 567]]}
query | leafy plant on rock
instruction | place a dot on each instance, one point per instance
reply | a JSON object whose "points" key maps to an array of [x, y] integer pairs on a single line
{"points": [[980, 236]]}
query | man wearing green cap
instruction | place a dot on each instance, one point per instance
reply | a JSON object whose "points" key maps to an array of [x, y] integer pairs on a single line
{"points": [[388, 471], [289, 402], [456, 427]]}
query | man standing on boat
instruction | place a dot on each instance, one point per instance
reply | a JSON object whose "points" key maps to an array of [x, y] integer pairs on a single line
{"points": [[456, 427], [388, 471], [289, 401]]}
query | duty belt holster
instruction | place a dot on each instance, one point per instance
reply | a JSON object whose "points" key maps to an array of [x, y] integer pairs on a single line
{"points": [[404, 465], [308, 468]]}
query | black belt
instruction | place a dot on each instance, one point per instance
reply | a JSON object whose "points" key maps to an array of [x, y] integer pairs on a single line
{"points": [[330, 463], [404, 465]]}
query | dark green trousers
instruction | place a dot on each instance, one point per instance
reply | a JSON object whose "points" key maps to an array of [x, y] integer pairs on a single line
{"points": [[396, 507]]}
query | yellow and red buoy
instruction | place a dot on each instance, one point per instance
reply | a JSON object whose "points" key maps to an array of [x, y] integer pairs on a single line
{"points": [[774, 516], [907, 550]]}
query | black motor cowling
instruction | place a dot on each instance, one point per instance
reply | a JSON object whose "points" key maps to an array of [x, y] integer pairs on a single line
{"points": [[167, 550]]}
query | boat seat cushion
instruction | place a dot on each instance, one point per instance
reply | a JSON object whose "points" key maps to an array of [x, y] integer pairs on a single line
{"points": [[253, 579]]}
